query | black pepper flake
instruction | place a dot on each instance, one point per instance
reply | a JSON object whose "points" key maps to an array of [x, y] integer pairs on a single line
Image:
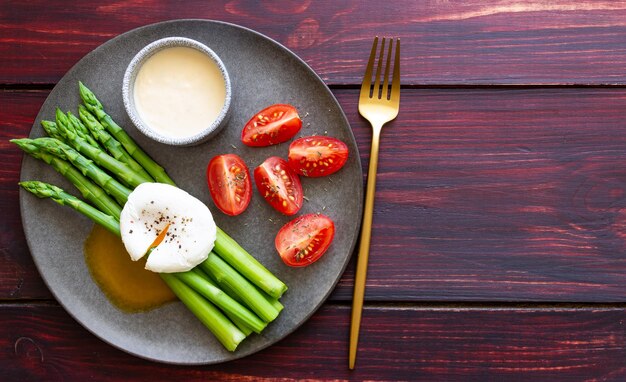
{"points": [[131, 231]]}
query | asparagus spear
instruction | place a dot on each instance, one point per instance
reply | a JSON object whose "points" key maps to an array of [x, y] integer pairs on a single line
{"points": [[111, 144], [119, 169], [87, 188], [225, 286], [81, 130], [95, 107], [87, 167], [46, 190], [235, 255], [228, 278], [221, 300], [245, 329], [274, 301], [225, 331]]}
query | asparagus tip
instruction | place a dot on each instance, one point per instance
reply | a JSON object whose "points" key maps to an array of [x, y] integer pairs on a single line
{"points": [[82, 88], [60, 116], [40, 189], [87, 95], [27, 145]]}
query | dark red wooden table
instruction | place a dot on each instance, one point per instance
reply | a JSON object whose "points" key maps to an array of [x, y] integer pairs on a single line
{"points": [[499, 240]]}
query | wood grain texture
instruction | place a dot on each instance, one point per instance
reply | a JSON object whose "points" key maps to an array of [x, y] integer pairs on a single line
{"points": [[443, 42], [498, 195], [483, 195], [41, 342], [18, 276]]}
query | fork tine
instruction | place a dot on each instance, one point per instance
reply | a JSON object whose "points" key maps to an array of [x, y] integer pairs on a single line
{"points": [[376, 90], [367, 78], [385, 91], [395, 82]]}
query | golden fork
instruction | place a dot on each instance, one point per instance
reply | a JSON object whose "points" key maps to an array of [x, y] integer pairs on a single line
{"points": [[378, 105]]}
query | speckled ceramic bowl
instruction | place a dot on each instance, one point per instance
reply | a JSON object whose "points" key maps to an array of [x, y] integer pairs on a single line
{"points": [[129, 99]]}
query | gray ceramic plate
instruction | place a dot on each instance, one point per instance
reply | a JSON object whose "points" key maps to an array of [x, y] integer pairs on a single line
{"points": [[263, 73]]}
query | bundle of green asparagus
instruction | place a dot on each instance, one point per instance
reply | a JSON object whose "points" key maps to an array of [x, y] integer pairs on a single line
{"points": [[231, 293]]}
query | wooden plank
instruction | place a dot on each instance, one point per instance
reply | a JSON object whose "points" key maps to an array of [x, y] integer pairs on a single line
{"points": [[41, 342], [482, 195], [471, 42], [18, 276]]}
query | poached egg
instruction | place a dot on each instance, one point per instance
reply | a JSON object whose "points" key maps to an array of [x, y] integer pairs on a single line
{"points": [[175, 228]]}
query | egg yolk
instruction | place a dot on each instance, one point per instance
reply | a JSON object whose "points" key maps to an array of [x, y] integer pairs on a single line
{"points": [[126, 283]]}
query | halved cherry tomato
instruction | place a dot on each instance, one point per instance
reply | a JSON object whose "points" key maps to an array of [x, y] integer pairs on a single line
{"points": [[305, 239], [317, 155], [229, 183], [275, 124], [279, 185]]}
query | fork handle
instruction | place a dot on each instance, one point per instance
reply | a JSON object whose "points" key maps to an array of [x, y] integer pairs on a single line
{"points": [[364, 248]]}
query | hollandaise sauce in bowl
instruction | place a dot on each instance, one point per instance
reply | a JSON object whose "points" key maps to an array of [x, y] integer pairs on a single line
{"points": [[177, 91]]}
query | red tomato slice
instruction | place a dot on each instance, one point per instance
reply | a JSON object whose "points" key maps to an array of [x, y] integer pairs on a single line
{"points": [[275, 124], [279, 185], [229, 183], [305, 239], [317, 155]]}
